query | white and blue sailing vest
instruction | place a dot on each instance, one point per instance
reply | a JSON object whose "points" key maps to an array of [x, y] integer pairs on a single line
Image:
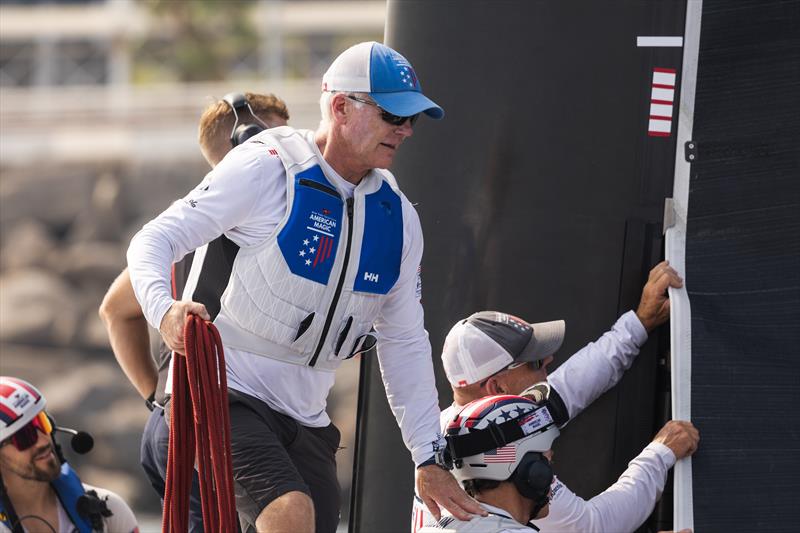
{"points": [[309, 294]]}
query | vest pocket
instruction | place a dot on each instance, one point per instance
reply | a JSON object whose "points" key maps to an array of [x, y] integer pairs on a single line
{"points": [[343, 335], [354, 338], [304, 325], [363, 344], [307, 332]]}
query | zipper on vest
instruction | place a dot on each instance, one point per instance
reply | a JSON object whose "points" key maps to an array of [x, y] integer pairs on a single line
{"points": [[338, 292], [320, 187]]}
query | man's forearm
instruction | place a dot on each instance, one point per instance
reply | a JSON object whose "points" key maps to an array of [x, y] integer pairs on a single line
{"points": [[624, 506], [128, 334], [131, 345], [598, 366]]}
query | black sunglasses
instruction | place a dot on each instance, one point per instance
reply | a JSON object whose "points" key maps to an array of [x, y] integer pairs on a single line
{"points": [[28, 435], [535, 365], [390, 118]]}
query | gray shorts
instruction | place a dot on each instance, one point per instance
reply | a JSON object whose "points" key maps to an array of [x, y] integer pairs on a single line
{"points": [[273, 454]]}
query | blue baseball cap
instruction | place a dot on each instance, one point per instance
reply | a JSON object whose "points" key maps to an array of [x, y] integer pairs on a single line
{"points": [[385, 75]]}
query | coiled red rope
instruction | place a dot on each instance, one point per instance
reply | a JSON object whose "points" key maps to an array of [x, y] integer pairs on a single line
{"points": [[200, 425]]}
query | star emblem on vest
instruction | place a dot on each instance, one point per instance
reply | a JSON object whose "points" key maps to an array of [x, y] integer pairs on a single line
{"points": [[317, 248]]}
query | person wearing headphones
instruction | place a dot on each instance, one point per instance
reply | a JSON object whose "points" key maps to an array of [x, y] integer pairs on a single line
{"points": [[38, 489], [199, 276], [328, 269], [500, 449], [492, 353]]}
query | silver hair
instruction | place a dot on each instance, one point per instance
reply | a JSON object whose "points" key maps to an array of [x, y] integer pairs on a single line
{"points": [[325, 104]]}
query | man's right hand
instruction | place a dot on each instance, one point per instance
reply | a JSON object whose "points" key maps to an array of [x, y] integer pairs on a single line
{"points": [[174, 320], [438, 488], [653, 308], [679, 436]]}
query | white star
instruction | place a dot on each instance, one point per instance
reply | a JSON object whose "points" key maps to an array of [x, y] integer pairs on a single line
{"points": [[302, 253], [312, 250], [308, 262], [305, 242], [316, 238]]}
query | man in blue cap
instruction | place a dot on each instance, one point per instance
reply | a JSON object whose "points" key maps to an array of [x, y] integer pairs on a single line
{"points": [[328, 248]]}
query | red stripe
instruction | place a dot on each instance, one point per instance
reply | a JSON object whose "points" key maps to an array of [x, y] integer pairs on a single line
{"points": [[658, 134], [8, 412], [330, 247], [22, 384], [319, 252], [660, 117], [666, 102], [482, 404], [670, 70], [663, 86], [6, 390]]}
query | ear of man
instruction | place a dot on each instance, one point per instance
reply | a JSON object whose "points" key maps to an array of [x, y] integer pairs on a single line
{"points": [[339, 109], [494, 386]]}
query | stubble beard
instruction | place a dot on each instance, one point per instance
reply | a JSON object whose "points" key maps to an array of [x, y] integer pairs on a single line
{"points": [[33, 472]]}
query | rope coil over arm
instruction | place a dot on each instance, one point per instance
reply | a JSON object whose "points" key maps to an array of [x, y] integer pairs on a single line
{"points": [[200, 425]]}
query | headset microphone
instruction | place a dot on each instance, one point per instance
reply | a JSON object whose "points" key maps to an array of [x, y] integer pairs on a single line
{"points": [[81, 441]]}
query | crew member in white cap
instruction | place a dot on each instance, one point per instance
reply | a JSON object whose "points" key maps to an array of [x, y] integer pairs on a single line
{"points": [[494, 353], [328, 248], [500, 449]]}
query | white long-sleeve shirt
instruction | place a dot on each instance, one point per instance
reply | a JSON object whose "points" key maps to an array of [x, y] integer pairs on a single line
{"points": [[592, 370], [579, 381], [624, 506], [244, 198]]}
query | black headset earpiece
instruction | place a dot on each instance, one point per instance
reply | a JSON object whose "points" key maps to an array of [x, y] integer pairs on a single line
{"points": [[242, 131], [533, 478]]}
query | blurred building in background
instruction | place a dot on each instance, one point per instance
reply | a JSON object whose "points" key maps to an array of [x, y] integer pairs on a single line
{"points": [[99, 104], [129, 67]]}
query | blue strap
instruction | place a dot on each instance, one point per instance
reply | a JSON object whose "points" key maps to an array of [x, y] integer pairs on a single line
{"points": [[69, 488]]}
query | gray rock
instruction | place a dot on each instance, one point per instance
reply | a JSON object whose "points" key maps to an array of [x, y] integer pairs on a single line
{"points": [[89, 263], [103, 219], [54, 196], [26, 245], [37, 308]]}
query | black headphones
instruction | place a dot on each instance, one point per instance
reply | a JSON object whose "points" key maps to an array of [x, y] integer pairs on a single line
{"points": [[241, 132], [532, 478]]}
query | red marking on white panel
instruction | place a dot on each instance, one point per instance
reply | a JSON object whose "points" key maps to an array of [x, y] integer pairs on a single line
{"points": [[664, 78], [661, 111], [662, 96]]}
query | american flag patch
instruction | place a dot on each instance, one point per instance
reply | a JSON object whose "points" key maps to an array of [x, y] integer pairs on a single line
{"points": [[504, 454]]}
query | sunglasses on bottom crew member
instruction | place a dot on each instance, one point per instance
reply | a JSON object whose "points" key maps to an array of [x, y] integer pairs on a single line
{"points": [[28, 434]]}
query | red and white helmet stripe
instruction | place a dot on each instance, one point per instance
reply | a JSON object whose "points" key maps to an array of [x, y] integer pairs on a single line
{"points": [[19, 403]]}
